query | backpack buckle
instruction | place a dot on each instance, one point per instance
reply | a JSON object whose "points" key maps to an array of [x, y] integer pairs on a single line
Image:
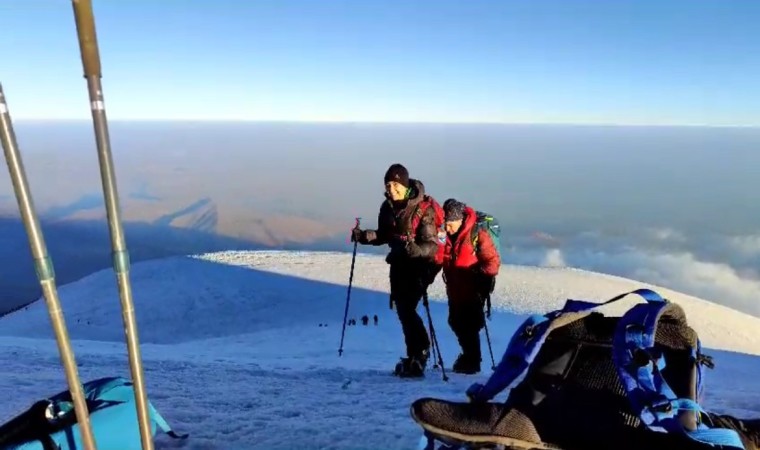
{"points": [[663, 406], [640, 357], [705, 360]]}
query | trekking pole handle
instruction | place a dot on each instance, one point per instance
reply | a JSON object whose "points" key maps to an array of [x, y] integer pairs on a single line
{"points": [[88, 41], [356, 227]]}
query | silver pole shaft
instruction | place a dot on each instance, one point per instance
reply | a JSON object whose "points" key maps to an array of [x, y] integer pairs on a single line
{"points": [[43, 265], [88, 44]]}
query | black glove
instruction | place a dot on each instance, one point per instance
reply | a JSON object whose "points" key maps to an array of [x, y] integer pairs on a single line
{"points": [[484, 283], [489, 283], [356, 235]]}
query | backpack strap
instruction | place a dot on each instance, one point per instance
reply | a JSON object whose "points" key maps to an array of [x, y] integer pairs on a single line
{"points": [[528, 339], [419, 212], [639, 362], [480, 224], [163, 424], [703, 360]]}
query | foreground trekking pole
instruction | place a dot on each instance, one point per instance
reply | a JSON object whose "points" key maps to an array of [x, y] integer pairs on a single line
{"points": [[44, 267], [490, 350], [88, 45], [433, 337], [348, 294]]}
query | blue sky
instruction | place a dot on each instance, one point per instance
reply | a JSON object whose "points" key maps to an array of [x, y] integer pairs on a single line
{"points": [[561, 61]]}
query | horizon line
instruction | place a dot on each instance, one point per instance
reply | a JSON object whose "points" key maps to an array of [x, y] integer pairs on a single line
{"points": [[390, 122]]}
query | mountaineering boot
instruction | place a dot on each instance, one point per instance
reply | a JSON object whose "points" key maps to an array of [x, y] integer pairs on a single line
{"points": [[467, 364], [423, 357], [412, 366]]}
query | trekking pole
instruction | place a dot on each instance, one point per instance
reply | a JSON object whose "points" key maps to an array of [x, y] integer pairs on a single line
{"points": [[43, 265], [433, 337], [488, 339], [348, 294], [88, 46]]}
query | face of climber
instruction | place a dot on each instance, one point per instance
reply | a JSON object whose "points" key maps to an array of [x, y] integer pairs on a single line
{"points": [[395, 190], [453, 226]]}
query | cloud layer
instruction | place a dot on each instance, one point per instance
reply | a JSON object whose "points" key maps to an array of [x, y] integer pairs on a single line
{"points": [[720, 268]]}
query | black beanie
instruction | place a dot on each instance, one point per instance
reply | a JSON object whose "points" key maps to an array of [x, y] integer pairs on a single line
{"points": [[397, 173], [453, 210]]}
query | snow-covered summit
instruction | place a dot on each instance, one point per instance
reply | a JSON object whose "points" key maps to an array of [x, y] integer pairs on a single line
{"points": [[240, 348], [191, 298]]}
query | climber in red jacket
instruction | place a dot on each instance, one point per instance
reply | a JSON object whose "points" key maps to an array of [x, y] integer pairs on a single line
{"points": [[469, 271]]}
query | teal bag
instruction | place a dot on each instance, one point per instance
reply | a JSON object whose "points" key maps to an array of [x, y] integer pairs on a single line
{"points": [[51, 424]]}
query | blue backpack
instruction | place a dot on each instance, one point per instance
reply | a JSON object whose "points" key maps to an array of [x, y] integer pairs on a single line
{"points": [[51, 424], [647, 368]]}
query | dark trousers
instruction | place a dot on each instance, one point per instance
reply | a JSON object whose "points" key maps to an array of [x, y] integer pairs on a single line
{"points": [[408, 283], [466, 319]]}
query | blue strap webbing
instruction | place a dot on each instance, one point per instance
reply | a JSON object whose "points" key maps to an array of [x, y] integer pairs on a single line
{"points": [[522, 348], [640, 363], [528, 339], [163, 424]]}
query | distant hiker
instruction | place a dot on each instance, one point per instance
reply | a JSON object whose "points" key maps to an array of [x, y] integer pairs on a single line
{"points": [[365, 320], [375, 319], [409, 222], [470, 266]]}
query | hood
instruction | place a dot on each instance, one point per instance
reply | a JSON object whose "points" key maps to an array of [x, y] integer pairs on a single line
{"points": [[470, 217]]}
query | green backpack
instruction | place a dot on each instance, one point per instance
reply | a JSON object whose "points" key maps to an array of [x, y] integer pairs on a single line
{"points": [[491, 224]]}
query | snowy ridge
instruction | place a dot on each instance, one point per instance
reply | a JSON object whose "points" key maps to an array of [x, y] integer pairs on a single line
{"points": [[240, 348], [519, 290]]}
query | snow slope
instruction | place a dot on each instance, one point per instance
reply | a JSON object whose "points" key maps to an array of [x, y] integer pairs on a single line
{"points": [[235, 352]]}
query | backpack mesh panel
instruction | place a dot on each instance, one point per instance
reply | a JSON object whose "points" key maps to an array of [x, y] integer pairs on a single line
{"points": [[573, 389]]}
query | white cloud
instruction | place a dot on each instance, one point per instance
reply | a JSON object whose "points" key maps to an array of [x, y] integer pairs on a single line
{"points": [[681, 271], [666, 235], [553, 258], [745, 245], [718, 268], [716, 282]]}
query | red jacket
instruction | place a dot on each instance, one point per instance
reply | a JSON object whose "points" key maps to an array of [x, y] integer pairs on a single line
{"points": [[461, 256]]}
